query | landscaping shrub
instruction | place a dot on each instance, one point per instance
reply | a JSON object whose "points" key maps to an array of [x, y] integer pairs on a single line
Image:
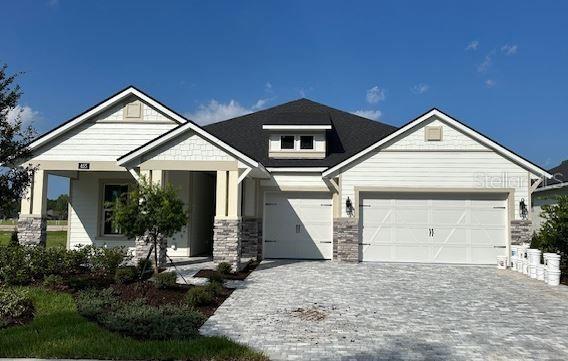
{"points": [[165, 280], [16, 307], [93, 303], [104, 261], [215, 287], [53, 281], [199, 296], [14, 242], [224, 268], [215, 277], [126, 274], [138, 319]]}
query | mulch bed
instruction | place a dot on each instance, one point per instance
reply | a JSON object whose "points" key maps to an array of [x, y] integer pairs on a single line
{"points": [[236, 276], [156, 297]]}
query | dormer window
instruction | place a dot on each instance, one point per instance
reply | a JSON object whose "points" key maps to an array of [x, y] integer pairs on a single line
{"points": [[307, 142], [287, 142]]}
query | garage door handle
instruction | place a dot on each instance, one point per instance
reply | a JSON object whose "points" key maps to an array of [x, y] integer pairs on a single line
{"points": [[325, 242], [364, 244], [269, 241], [499, 246]]}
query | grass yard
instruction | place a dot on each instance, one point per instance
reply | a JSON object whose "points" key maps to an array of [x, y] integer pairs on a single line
{"points": [[58, 331], [57, 222], [54, 239]]}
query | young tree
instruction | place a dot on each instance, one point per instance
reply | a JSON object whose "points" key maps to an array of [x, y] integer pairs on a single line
{"points": [[150, 212], [14, 139]]}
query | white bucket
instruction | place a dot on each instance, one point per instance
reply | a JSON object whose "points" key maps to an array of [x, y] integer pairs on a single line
{"points": [[514, 251], [532, 270], [553, 277], [525, 266], [501, 262], [545, 274], [553, 262], [533, 256], [540, 272], [513, 262]]}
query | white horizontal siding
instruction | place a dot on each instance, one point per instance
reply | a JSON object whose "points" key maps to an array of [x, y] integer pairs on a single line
{"points": [[295, 180], [189, 146], [84, 209], [106, 137], [452, 139], [436, 170]]}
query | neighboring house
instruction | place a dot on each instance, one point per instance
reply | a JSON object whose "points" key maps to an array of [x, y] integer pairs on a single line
{"points": [[299, 180], [548, 191]]}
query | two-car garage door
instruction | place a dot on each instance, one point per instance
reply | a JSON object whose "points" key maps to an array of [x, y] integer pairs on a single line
{"points": [[433, 228]]}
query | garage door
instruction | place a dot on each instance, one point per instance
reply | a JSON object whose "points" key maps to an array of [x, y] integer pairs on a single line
{"points": [[297, 225], [433, 228]]}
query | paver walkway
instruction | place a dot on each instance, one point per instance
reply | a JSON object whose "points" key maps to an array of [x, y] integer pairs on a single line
{"points": [[330, 311]]}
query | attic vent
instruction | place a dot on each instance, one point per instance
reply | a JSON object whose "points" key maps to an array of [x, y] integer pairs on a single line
{"points": [[433, 134], [133, 110]]}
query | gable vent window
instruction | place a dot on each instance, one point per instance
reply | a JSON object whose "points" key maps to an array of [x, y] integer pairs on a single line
{"points": [[287, 142], [433, 134], [307, 142], [133, 111]]}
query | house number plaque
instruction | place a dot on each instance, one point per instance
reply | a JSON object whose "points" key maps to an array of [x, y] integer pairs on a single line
{"points": [[84, 165]]}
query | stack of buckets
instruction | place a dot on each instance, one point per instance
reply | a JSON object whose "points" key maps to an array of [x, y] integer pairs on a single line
{"points": [[527, 261]]}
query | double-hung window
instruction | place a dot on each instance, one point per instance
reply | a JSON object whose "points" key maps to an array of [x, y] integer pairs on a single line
{"points": [[111, 193]]}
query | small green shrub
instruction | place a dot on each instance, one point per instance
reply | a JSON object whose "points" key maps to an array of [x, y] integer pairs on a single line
{"points": [[93, 303], [16, 307], [165, 280], [126, 274], [199, 296], [14, 242], [53, 281], [215, 277], [215, 287], [224, 268]]}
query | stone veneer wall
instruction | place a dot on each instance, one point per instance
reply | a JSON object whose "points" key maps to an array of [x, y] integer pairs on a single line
{"points": [[346, 239], [251, 238], [521, 231], [142, 247], [227, 242], [32, 230]]}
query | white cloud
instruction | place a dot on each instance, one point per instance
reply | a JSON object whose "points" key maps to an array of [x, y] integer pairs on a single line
{"points": [[369, 114], [473, 45], [268, 87], [27, 115], [482, 68], [215, 111], [375, 95], [420, 88], [509, 49], [490, 83]]}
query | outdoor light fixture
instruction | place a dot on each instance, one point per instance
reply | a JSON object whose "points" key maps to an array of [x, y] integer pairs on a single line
{"points": [[349, 207], [523, 209]]}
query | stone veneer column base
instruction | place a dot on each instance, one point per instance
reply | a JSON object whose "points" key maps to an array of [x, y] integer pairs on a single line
{"points": [[346, 240], [251, 238], [227, 242], [142, 247], [521, 231], [32, 230]]}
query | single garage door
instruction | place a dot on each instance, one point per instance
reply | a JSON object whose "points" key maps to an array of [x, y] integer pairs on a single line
{"points": [[434, 227], [298, 225]]}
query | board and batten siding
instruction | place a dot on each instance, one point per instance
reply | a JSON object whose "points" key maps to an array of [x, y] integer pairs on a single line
{"points": [[84, 209], [106, 137], [457, 161]]}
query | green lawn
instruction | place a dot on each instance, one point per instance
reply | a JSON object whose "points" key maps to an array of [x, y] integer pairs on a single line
{"points": [[49, 222], [58, 331], [54, 239]]}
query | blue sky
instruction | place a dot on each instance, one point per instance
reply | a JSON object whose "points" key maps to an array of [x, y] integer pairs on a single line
{"points": [[501, 67]]}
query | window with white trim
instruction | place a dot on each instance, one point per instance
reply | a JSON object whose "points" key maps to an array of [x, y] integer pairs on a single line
{"points": [[111, 193], [287, 142], [307, 142]]}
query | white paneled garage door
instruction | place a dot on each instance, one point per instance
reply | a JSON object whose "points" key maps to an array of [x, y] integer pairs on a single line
{"points": [[298, 225], [433, 228]]}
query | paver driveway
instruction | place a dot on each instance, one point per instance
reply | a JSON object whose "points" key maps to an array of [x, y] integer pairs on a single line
{"points": [[330, 311]]}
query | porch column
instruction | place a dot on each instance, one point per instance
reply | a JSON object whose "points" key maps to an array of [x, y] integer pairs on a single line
{"points": [[32, 222], [227, 226]]}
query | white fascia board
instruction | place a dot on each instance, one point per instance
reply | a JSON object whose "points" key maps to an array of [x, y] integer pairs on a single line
{"points": [[296, 170], [295, 127], [101, 107], [551, 187], [434, 112]]}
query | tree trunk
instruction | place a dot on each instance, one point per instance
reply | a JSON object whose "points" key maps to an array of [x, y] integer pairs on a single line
{"points": [[156, 264]]}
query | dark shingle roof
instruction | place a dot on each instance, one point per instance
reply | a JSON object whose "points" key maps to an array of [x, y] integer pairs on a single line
{"points": [[560, 175], [349, 135]]}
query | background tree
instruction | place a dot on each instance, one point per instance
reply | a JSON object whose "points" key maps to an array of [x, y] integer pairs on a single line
{"points": [[553, 234], [152, 213], [14, 139], [59, 206]]}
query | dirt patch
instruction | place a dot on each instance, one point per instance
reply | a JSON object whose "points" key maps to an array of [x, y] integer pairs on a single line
{"points": [[310, 314], [237, 276]]}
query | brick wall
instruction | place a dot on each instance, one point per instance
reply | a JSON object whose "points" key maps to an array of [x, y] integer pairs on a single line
{"points": [[521, 231], [32, 230], [346, 240], [227, 242]]}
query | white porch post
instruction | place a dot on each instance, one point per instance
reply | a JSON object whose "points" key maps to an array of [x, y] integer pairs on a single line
{"points": [[32, 224], [227, 226]]}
